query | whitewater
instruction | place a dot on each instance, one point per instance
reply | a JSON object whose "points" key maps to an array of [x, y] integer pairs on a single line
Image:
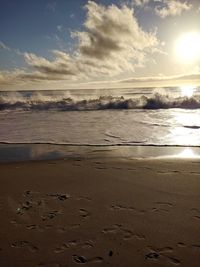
{"points": [[114, 117]]}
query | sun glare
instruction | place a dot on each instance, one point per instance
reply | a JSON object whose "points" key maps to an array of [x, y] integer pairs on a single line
{"points": [[187, 153], [187, 90], [187, 47]]}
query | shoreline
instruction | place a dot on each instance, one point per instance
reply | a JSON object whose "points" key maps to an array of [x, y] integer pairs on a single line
{"points": [[44, 152]]}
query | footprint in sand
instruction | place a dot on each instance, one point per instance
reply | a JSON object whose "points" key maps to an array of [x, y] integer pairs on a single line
{"points": [[195, 213], [129, 209], [67, 245], [24, 244], [24, 207], [181, 244], [50, 215], [152, 255], [74, 243], [38, 227], [162, 207], [139, 236], [57, 196], [61, 197], [31, 227], [174, 261], [121, 208], [101, 168], [82, 260], [29, 193], [61, 249], [87, 245], [166, 204], [162, 253], [112, 230], [84, 198], [126, 233], [84, 213], [29, 204]]}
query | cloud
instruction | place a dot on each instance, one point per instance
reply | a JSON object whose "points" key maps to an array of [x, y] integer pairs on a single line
{"points": [[114, 38], [140, 2], [9, 77], [4, 47], [111, 43], [59, 28], [172, 8], [184, 77], [10, 49], [62, 65]]}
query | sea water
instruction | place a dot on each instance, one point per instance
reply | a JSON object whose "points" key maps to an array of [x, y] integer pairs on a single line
{"points": [[102, 118]]}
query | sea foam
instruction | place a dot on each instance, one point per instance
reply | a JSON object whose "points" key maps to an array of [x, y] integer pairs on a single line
{"points": [[69, 103]]}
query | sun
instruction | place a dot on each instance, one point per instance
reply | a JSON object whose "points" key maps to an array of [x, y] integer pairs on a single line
{"points": [[187, 90], [187, 47]]}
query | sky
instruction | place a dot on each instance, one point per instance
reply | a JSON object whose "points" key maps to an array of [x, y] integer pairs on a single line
{"points": [[64, 44]]}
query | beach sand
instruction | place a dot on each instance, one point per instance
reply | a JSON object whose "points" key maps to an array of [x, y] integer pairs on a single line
{"points": [[79, 212]]}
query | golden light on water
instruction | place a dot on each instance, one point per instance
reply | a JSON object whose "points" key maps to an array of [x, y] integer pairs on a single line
{"points": [[187, 153], [187, 47], [187, 90], [185, 127], [187, 118]]}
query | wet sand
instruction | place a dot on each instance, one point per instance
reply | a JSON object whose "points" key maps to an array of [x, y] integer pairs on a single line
{"points": [[93, 212]]}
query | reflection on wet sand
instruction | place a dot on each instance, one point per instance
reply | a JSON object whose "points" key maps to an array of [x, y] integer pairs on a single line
{"points": [[11, 153]]}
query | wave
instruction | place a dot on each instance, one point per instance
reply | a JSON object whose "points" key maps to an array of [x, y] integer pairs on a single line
{"points": [[156, 101]]}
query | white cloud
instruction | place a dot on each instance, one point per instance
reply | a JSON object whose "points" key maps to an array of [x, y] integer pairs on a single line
{"points": [[140, 2], [172, 8], [113, 39], [112, 43], [61, 66]]}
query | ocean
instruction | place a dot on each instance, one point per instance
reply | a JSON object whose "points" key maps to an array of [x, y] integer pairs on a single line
{"points": [[104, 118]]}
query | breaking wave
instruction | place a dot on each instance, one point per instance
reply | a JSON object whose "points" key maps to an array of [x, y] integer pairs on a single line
{"points": [[156, 101]]}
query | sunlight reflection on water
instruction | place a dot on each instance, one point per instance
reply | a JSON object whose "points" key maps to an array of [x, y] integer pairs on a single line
{"points": [[185, 130], [188, 153], [187, 90]]}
